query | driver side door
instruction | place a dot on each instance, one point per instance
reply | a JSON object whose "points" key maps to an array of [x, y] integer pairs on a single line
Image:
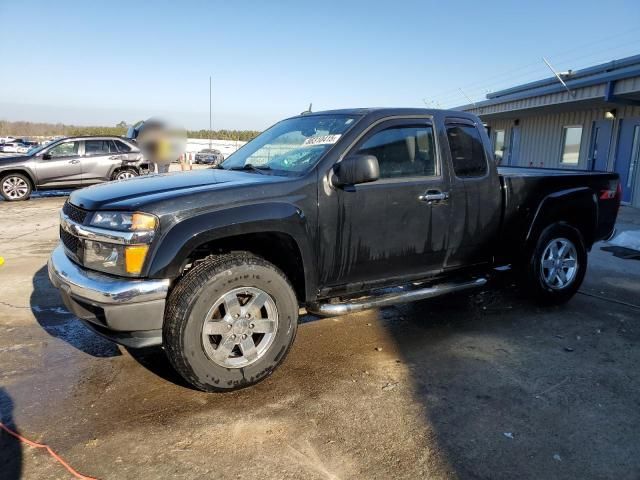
{"points": [[60, 165], [388, 230]]}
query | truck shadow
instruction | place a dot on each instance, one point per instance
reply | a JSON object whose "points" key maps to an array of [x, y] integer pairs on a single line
{"points": [[505, 386], [155, 360], [49, 310], [10, 447]]}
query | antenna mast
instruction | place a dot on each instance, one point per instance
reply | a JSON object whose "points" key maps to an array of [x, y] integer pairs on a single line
{"points": [[573, 94]]}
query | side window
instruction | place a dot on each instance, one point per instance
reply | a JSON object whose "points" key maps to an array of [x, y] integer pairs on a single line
{"points": [[96, 147], [66, 149], [403, 151], [122, 147], [467, 151]]}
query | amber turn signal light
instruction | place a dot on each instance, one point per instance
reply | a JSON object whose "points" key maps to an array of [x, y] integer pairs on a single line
{"points": [[134, 256]]}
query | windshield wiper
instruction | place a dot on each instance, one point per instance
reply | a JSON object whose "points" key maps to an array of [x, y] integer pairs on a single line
{"points": [[252, 168]]}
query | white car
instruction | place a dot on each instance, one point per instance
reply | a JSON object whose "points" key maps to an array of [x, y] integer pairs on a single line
{"points": [[10, 147]]}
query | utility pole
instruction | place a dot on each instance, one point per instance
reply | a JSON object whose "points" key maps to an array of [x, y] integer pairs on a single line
{"points": [[210, 117]]}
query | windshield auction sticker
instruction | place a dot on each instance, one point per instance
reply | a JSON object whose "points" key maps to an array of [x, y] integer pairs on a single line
{"points": [[322, 140]]}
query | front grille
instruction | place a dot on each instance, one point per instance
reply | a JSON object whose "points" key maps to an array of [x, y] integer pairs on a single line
{"points": [[76, 214], [70, 242]]}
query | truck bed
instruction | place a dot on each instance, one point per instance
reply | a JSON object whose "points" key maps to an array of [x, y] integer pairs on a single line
{"points": [[508, 171], [525, 189]]}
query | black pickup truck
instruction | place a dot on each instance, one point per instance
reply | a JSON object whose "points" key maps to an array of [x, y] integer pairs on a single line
{"points": [[336, 212]]}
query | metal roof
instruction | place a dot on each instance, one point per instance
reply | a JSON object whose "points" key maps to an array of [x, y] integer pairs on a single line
{"points": [[596, 75]]}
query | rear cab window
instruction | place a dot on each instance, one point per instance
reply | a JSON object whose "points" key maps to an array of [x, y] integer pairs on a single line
{"points": [[467, 150]]}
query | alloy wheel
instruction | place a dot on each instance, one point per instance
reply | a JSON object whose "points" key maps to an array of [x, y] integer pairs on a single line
{"points": [[559, 263], [240, 327], [15, 187], [124, 175]]}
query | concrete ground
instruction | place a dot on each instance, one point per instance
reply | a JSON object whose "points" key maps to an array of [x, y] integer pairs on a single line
{"points": [[481, 386]]}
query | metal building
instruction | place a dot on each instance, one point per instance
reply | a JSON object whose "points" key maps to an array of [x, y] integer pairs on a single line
{"points": [[587, 119]]}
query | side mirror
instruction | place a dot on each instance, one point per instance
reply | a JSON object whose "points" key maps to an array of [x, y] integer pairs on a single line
{"points": [[356, 169], [46, 156]]}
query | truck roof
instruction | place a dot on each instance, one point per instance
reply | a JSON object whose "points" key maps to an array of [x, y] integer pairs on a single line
{"points": [[381, 112]]}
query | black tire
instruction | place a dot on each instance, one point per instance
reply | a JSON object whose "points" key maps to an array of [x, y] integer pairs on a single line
{"points": [[22, 184], [197, 294], [124, 174], [536, 275]]}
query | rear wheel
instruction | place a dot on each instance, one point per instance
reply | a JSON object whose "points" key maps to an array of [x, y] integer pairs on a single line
{"points": [[557, 264], [15, 187], [230, 322], [124, 174]]}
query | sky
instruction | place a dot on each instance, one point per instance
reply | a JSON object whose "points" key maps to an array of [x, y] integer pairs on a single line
{"points": [[98, 63]]}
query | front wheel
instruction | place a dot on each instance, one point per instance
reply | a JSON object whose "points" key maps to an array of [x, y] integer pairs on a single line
{"points": [[557, 265], [230, 322], [15, 187]]}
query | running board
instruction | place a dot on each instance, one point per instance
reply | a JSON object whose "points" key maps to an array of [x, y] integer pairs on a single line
{"points": [[384, 300]]}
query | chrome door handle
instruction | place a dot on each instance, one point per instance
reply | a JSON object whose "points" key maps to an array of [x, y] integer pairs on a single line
{"points": [[115, 157], [434, 196], [74, 161]]}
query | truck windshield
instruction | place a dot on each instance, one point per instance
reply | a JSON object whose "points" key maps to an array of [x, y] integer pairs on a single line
{"points": [[292, 146]]}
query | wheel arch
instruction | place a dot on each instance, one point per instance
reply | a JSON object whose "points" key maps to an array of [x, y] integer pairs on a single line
{"points": [[576, 207], [276, 232], [21, 171]]}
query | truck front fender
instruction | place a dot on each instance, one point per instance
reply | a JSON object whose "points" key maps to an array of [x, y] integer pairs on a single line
{"points": [[577, 207], [174, 247]]}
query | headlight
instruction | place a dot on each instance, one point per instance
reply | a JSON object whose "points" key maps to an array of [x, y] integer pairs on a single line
{"points": [[116, 259], [124, 221], [125, 257]]}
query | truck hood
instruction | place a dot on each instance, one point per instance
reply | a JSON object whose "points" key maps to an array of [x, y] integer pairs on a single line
{"points": [[148, 190]]}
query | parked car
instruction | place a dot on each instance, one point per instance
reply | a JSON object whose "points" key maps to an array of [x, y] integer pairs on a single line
{"points": [[209, 157], [372, 207], [70, 162], [10, 147]]}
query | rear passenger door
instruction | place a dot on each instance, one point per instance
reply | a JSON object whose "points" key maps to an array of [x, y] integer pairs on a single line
{"points": [[388, 229], [100, 159], [476, 195]]}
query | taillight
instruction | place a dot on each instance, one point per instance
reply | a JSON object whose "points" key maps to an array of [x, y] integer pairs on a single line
{"points": [[613, 192]]}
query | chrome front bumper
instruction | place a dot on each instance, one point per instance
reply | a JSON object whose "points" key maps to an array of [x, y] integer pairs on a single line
{"points": [[127, 311]]}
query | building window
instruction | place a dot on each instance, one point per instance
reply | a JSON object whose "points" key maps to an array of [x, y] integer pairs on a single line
{"points": [[571, 145], [498, 146]]}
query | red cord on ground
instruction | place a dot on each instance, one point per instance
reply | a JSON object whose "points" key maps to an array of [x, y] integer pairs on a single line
{"points": [[51, 452]]}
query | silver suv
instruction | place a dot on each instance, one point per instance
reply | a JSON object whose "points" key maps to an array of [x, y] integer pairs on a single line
{"points": [[70, 162]]}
